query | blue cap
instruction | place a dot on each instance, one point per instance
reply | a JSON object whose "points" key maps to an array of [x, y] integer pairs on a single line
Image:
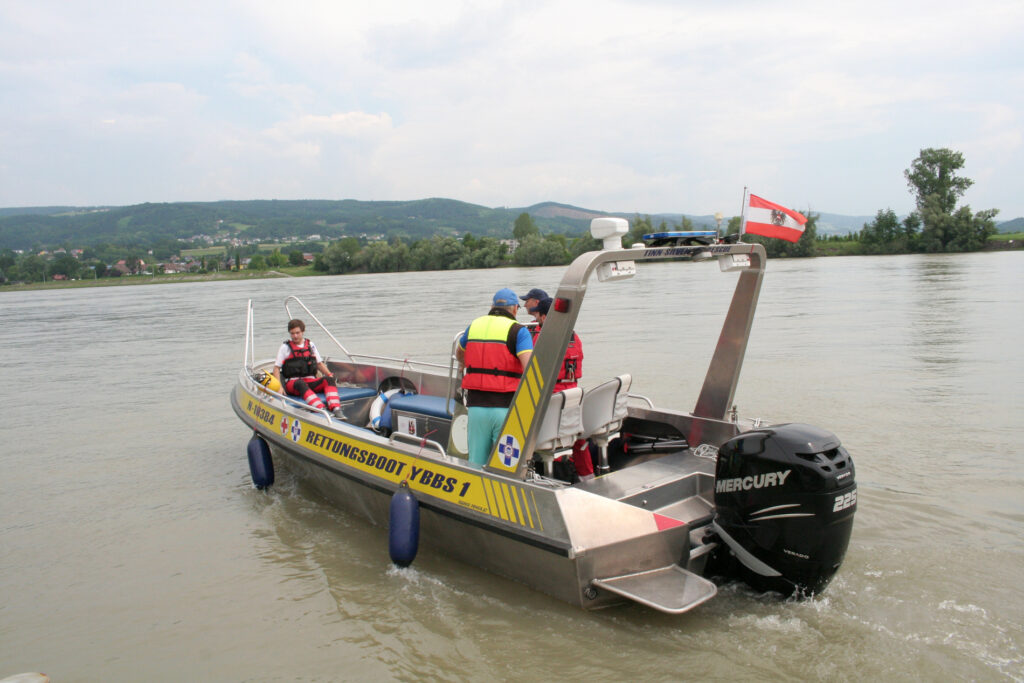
{"points": [[542, 307], [505, 297], [535, 293]]}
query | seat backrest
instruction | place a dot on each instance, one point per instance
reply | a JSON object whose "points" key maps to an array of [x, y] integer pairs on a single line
{"points": [[562, 422], [604, 406]]}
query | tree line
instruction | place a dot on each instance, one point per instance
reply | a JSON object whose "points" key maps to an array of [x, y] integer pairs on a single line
{"points": [[529, 248]]}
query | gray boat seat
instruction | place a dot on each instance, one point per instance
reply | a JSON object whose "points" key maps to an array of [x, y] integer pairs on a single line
{"points": [[604, 409], [562, 425]]}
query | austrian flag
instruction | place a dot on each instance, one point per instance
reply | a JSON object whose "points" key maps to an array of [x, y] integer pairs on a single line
{"points": [[772, 220]]}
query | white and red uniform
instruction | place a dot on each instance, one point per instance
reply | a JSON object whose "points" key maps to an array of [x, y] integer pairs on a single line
{"points": [[298, 374]]}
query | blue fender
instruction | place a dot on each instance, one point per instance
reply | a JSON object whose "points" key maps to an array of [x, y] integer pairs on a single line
{"points": [[404, 526], [261, 466]]}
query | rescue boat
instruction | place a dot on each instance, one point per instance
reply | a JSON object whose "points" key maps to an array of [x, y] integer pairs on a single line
{"points": [[684, 500]]}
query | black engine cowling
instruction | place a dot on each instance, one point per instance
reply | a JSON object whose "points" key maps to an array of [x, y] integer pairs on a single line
{"points": [[785, 497]]}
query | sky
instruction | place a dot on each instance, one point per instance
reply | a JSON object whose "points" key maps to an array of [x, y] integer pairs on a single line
{"points": [[645, 106]]}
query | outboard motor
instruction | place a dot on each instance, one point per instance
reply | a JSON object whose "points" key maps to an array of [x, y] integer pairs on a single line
{"points": [[785, 497]]}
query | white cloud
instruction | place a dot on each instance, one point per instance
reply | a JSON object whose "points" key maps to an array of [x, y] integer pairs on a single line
{"points": [[355, 124], [652, 106]]}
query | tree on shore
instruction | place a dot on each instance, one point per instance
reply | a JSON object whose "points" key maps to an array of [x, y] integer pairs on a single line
{"points": [[888, 235], [934, 173], [276, 259], [524, 227], [541, 251], [936, 186]]}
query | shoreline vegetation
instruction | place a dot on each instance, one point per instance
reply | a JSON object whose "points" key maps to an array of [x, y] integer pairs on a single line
{"points": [[159, 279], [1002, 242]]}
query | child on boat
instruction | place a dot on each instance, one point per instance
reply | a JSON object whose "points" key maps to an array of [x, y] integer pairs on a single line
{"points": [[298, 361]]}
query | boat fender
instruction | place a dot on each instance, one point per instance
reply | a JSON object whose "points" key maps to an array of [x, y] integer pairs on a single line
{"points": [[261, 466], [404, 526], [377, 417]]}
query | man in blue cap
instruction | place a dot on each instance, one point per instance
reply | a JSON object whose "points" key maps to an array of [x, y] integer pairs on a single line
{"points": [[495, 350]]}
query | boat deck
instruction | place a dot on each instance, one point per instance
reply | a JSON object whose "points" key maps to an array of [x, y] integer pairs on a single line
{"points": [[678, 485]]}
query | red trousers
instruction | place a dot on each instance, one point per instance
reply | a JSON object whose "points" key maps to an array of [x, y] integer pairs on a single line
{"points": [[581, 457], [306, 387]]}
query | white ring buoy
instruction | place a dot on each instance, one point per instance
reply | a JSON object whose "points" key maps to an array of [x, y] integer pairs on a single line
{"points": [[377, 407]]}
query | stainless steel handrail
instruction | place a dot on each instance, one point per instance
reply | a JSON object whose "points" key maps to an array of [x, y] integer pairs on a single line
{"points": [[650, 403], [285, 399], [452, 372], [419, 440], [256, 386], [247, 357], [352, 356], [297, 402], [405, 361], [316, 320]]}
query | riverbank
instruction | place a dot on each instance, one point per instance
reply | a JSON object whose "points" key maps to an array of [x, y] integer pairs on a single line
{"points": [[996, 243], [131, 280]]}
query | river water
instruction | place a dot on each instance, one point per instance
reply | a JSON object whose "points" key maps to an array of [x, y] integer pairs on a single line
{"points": [[134, 547]]}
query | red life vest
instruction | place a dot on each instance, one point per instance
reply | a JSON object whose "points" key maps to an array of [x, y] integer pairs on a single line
{"points": [[571, 371], [301, 362], [491, 363]]}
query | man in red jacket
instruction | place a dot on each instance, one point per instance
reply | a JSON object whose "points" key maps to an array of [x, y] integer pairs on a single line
{"points": [[568, 376]]}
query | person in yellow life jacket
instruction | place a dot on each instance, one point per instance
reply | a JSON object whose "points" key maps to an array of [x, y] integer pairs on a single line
{"points": [[569, 376], [494, 349], [296, 366]]}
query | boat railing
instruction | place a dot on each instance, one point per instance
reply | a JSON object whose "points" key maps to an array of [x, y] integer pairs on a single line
{"points": [[248, 360], [284, 399], [354, 357], [419, 440], [392, 359], [453, 372], [640, 397], [316, 320]]}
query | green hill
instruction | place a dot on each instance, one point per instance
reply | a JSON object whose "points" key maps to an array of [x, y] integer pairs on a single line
{"points": [[146, 224]]}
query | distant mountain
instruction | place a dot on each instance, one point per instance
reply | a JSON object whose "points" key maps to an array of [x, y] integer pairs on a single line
{"points": [[1016, 225], [553, 210], [836, 224], [47, 210]]}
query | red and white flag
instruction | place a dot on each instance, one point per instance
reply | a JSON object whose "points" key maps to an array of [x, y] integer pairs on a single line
{"points": [[768, 219]]}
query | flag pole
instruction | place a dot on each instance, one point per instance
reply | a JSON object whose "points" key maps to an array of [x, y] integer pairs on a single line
{"points": [[743, 214]]}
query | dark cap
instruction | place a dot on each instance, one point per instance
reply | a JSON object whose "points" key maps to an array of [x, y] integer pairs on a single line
{"points": [[535, 293], [543, 306]]}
